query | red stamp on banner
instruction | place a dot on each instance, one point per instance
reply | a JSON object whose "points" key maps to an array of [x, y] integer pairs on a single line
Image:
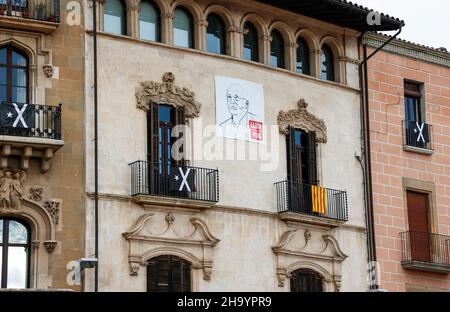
{"points": [[256, 130]]}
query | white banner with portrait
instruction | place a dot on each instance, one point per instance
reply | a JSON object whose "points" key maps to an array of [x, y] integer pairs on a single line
{"points": [[239, 109]]}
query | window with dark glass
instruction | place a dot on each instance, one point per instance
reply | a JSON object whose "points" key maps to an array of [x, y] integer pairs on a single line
{"points": [[251, 45], [13, 75], [413, 97], [327, 63], [301, 148], [15, 253], [183, 31], [115, 17], [161, 119], [417, 132], [277, 49], [168, 274], [303, 57], [149, 21], [306, 280], [216, 35]]}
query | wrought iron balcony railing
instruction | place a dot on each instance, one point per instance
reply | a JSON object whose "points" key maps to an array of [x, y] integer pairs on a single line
{"points": [[171, 180], [417, 135], [29, 120], [311, 200], [426, 248], [42, 10]]}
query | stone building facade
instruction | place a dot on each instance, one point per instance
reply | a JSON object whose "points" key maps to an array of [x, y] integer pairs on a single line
{"points": [[409, 122], [41, 141], [243, 230]]}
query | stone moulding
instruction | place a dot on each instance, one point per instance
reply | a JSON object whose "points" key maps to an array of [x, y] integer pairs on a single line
{"points": [[302, 119], [196, 247], [299, 249], [166, 92]]}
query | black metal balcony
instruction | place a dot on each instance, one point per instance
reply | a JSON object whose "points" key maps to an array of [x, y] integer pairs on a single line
{"points": [[171, 180], [417, 136], [30, 120], [41, 10], [425, 251], [311, 200]]}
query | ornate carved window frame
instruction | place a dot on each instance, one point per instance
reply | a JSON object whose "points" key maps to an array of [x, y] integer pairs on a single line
{"points": [[197, 248], [302, 119], [42, 217], [302, 249], [166, 92]]}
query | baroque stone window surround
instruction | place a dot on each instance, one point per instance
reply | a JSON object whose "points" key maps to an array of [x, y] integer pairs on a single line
{"points": [[43, 224], [235, 35], [166, 92], [197, 247], [302, 249], [300, 118]]}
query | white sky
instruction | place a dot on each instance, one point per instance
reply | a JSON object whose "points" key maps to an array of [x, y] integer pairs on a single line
{"points": [[427, 21]]}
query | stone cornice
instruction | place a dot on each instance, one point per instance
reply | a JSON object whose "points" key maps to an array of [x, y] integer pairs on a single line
{"points": [[409, 49]]}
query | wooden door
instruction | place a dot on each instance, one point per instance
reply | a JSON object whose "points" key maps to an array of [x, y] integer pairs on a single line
{"points": [[419, 232]]}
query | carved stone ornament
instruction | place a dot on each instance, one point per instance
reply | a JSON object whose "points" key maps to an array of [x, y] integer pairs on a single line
{"points": [[50, 246], [48, 70], [302, 119], [155, 234], [298, 249], [36, 193], [167, 93], [11, 189], [53, 208]]}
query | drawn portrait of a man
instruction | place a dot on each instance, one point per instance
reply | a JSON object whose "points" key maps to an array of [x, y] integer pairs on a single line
{"points": [[239, 109], [238, 105]]}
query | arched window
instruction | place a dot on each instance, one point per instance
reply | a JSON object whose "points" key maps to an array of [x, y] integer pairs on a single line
{"points": [[183, 30], [306, 280], [15, 240], [327, 63], [168, 274], [13, 75], [216, 35], [115, 17], [277, 49], [251, 52], [303, 66], [149, 21]]}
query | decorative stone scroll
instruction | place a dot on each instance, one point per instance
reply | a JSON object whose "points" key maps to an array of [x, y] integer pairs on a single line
{"points": [[301, 118], [167, 93], [298, 249], [154, 235]]}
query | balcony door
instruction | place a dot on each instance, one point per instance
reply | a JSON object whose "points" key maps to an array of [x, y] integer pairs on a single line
{"points": [[301, 147], [161, 120], [419, 232]]}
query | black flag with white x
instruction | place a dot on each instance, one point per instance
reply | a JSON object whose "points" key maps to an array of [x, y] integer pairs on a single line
{"points": [[14, 115], [420, 133], [183, 179]]}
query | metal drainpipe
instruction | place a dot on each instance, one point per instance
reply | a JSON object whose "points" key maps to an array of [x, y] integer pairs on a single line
{"points": [[367, 168], [94, 9]]}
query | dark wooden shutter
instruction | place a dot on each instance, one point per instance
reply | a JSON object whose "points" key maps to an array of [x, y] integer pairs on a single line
{"points": [[292, 170], [312, 158], [153, 133], [168, 274], [153, 149], [418, 226], [306, 281]]}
